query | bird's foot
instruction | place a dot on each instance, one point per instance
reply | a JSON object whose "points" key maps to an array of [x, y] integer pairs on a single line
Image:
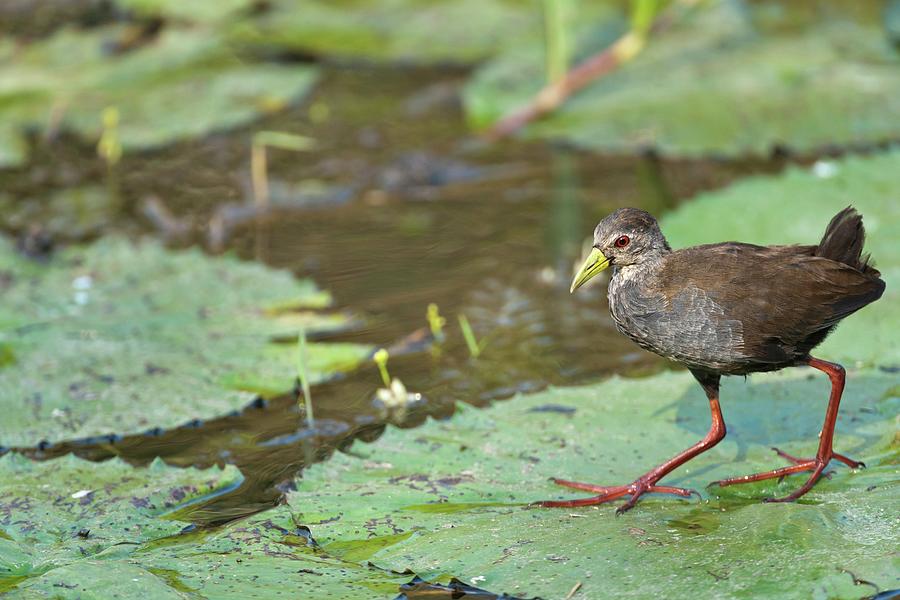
{"points": [[853, 464], [814, 465], [605, 494]]}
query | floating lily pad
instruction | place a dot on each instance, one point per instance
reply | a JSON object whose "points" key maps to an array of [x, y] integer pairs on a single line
{"points": [[119, 337], [64, 511], [450, 497], [184, 83], [74, 529], [197, 11], [795, 208], [457, 31], [718, 82]]}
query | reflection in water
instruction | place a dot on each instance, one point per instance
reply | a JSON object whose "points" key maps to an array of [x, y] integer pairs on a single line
{"points": [[491, 233]]}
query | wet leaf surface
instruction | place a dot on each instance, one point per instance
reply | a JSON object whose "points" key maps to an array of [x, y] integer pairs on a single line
{"points": [[75, 529], [723, 83], [451, 496], [67, 512], [406, 31], [118, 337]]}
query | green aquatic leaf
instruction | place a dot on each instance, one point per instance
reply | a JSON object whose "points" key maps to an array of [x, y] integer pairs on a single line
{"points": [[434, 32], [795, 208], [184, 83], [450, 497], [65, 511], [119, 337], [718, 83], [196, 11], [75, 529]]}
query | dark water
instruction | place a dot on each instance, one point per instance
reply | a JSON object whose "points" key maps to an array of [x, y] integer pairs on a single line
{"points": [[397, 207]]}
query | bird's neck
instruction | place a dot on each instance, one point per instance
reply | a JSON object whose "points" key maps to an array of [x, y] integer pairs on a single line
{"points": [[635, 271]]}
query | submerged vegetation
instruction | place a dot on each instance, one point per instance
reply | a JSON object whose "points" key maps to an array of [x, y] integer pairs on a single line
{"points": [[326, 150]]}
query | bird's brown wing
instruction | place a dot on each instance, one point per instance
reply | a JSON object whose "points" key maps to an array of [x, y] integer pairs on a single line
{"points": [[786, 298]]}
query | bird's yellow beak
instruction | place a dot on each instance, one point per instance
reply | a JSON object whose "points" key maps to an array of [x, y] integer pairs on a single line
{"points": [[594, 263]]}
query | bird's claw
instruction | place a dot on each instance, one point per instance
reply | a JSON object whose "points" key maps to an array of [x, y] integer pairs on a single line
{"points": [[605, 494]]}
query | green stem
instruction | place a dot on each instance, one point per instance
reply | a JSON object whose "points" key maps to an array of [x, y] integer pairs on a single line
{"points": [[555, 39], [304, 377], [469, 336]]}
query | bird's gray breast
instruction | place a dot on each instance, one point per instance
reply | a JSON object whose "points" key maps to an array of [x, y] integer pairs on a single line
{"points": [[687, 326]]}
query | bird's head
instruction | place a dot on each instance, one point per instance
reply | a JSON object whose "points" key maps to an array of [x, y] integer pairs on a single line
{"points": [[628, 236]]}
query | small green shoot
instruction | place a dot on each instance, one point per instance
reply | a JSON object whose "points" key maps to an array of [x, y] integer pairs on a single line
{"points": [[7, 355], [109, 148], [643, 15], [259, 170], [469, 335], [303, 376], [436, 322], [381, 359], [556, 39]]}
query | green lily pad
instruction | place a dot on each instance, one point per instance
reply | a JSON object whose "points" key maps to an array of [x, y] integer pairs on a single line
{"points": [[449, 498], [75, 529], [795, 208], [197, 11], [119, 337], [61, 512], [67, 80], [718, 83], [457, 31]]}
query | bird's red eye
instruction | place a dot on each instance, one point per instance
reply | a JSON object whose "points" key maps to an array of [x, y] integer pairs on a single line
{"points": [[622, 241]]}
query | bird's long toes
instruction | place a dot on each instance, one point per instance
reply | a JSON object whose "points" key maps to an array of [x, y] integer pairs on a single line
{"points": [[625, 508]]}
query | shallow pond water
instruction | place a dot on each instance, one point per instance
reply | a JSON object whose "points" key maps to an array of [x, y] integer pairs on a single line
{"points": [[396, 208]]}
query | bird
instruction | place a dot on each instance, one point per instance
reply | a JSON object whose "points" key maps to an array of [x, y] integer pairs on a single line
{"points": [[725, 309]]}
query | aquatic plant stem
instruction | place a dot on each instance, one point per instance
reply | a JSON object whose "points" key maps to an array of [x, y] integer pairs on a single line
{"points": [[556, 41], [381, 358], [551, 96], [469, 335], [435, 322], [259, 169], [259, 175], [303, 376]]}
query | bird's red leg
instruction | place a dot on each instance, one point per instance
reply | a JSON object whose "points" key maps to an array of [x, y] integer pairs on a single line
{"points": [[825, 453], [647, 482]]}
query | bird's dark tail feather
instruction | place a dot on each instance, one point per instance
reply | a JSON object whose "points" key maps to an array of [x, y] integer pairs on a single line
{"points": [[844, 239]]}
